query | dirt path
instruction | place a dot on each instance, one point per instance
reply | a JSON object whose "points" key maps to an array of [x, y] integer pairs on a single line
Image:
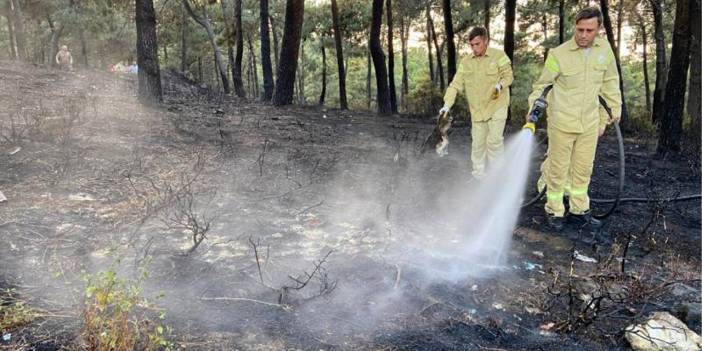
{"points": [[100, 179]]}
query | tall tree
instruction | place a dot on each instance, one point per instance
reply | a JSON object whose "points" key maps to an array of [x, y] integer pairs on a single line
{"points": [[204, 21], [147, 52], [561, 21], [620, 20], [604, 7], [510, 19], [431, 60], [18, 24], [450, 44], [671, 125], [253, 66], [404, 33], [55, 37], [391, 60], [323, 93], [486, 14], [9, 15], [343, 104], [661, 63], [183, 40], [376, 51], [644, 43], [266, 53], [239, 54], [75, 7], [439, 61], [694, 106], [285, 84]]}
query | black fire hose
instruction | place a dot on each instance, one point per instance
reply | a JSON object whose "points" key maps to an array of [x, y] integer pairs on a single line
{"points": [[614, 202]]}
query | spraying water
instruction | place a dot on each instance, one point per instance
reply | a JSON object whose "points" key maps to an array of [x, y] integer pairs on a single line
{"points": [[477, 220]]}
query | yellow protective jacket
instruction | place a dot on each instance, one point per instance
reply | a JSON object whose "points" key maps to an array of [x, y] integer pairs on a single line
{"points": [[578, 79], [476, 78]]}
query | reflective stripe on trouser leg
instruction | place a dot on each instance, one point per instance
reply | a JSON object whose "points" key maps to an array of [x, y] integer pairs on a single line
{"points": [[560, 148], [582, 161], [478, 152], [495, 135]]}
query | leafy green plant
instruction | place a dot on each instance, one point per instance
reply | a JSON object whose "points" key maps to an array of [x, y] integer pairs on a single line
{"points": [[115, 316], [14, 313]]}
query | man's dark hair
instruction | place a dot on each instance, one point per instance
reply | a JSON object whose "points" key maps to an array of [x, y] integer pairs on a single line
{"points": [[478, 32], [589, 12]]}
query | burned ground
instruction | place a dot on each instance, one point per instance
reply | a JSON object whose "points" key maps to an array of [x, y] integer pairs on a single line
{"points": [[100, 181]]}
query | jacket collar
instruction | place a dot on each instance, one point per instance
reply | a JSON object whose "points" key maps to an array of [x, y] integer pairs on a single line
{"points": [[573, 45]]}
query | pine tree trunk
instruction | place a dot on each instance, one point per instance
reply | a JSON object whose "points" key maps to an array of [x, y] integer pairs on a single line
{"points": [[487, 16], [376, 51], [18, 23], [228, 38], [276, 51], [199, 69], [405, 79], [661, 63], [266, 53], [285, 84], [391, 60], [368, 80], [81, 33], [254, 64], [510, 19], [147, 53], [694, 106], [55, 37], [301, 76], [183, 42], [205, 23], [439, 60], [431, 60], [238, 56], [561, 21], [450, 44], [647, 85], [11, 31], [670, 132], [620, 19], [323, 94], [343, 104], [604, 7]]}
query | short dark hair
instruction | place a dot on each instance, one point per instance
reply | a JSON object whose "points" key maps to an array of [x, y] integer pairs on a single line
{"points": [[478, 32], [589, 12]]}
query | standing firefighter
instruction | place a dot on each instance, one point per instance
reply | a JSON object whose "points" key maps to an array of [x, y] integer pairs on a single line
{"points": [[484, 78], [64, 59], [580, 70]]}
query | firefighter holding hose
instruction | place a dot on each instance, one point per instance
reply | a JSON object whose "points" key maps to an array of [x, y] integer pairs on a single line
{"points": [[483, 77], [579, 70]]}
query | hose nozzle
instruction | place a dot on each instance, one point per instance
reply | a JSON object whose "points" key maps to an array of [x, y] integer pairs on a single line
{"points": [[531, 126]]}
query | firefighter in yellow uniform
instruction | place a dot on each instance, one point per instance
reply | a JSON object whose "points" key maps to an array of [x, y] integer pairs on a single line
{"points": [[580, 70], [483, 78]]}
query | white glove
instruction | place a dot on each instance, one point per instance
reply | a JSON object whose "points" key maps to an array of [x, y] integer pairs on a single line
{"points": [[498, 87], [444, 109]]}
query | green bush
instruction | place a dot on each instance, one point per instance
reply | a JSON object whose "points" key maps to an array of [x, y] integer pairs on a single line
{"points": [[115, 315]]}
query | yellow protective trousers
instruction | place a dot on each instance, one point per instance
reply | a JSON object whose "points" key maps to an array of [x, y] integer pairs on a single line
{"points": [[570, 160], [488, 140]]}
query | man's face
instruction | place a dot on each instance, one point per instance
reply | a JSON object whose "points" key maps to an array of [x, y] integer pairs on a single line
{"points": [[585, 32], [479, 46]]}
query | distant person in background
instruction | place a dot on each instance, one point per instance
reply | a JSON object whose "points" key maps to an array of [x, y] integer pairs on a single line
{"points": [[119, 67], [64, 59], [133, 68]]}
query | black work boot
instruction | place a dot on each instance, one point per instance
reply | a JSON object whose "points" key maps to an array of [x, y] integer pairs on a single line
{"points": [[556, 223], [585, 219]]}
